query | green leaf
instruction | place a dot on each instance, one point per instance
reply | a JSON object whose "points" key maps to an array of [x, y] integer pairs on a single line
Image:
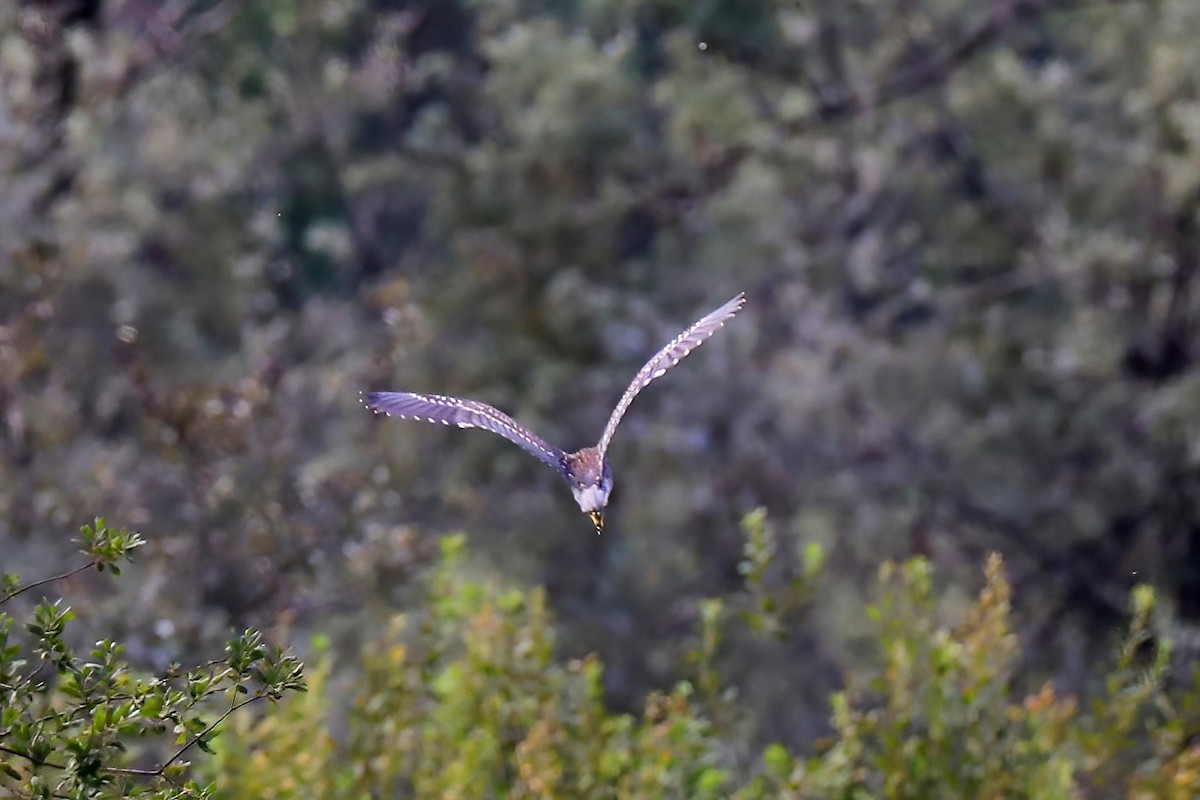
{"points": [[777, 760], [710, 781], [814, 558]]}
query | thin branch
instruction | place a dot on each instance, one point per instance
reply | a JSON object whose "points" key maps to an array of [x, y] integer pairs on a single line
{"points": [[44, 581], [935, 70], [167, 31], [30, 758], [154, 773], [216, 18]]}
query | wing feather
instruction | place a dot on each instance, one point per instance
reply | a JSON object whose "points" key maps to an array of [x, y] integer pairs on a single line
{"points": [[668, 357], [463, 413]]}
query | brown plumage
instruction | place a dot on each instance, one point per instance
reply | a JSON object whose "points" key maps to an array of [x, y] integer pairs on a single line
{"points": [[587, 470]]}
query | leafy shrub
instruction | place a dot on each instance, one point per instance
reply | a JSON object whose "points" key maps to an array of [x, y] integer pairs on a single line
{"points": [[465, 699], [75, 725], [937, 720]]}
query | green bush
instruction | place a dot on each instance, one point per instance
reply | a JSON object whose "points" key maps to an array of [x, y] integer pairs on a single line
{"points": [[85, 725], [466, 700]]}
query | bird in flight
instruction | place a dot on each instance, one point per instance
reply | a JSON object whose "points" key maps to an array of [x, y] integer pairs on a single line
{"points": [[586, 471]]}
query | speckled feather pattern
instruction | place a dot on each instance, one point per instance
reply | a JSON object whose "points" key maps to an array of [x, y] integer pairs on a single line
{"points": [[463, 414], [583, 467], [666, 358]]}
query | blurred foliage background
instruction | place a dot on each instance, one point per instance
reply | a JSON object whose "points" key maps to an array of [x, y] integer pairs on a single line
{"points": [[969, 233]]}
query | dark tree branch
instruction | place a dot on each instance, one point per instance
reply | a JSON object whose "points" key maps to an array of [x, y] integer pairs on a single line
{"points": [[30, 758], [936, 69], [170, 29]]}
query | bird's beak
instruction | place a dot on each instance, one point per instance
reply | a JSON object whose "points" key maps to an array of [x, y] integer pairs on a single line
{"points": [[597, 520]]}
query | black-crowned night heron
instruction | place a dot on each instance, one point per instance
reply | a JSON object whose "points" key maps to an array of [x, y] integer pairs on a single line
{"points": [[587, 470]]}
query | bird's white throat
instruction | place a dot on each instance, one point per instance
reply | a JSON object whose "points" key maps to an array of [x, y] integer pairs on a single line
{"points": [[590, 498]]}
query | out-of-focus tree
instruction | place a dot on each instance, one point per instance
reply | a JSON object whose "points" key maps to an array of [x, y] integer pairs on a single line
{"points": [[969, 234]]}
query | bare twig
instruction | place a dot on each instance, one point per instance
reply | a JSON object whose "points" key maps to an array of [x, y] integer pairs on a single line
{"points": [[44, 581]]}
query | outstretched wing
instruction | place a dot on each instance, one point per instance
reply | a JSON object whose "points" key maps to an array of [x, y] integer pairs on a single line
{"points": [[668, 357], [464, 414]]}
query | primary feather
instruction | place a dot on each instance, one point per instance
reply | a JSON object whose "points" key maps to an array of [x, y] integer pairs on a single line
{"points": [[464, 414], [668, 357]]}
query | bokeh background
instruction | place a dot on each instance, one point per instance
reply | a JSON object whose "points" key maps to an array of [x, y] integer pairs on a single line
{"points": [[968, 231]]}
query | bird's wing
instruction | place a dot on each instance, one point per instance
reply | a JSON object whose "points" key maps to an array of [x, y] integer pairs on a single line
{"points": [[668, 357], [464, 414]]}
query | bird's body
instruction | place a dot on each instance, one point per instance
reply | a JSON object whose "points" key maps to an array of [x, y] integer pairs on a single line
{"points": [[586, 471]]}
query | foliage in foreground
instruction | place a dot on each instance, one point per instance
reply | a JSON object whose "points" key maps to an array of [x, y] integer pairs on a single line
{"points": [[81, 725], [467, 700]]}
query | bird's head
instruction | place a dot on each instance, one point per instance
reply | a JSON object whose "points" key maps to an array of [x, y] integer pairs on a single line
{"points": [[591, 481]]}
